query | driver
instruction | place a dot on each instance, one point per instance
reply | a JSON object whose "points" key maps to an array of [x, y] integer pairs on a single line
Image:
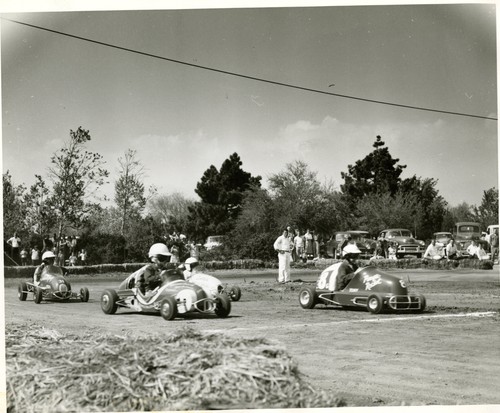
{"points": [[148, 278], [209, 284], [48, 259], [337, 276]]}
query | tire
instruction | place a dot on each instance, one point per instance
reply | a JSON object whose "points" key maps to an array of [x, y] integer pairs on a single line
{"points": [[307, 297], [235, 293], [168, 308], [375, 304], [84, 294], [22, 291], [419, 255], [222, 305], [423, 304], [38, 295], [109, 300]]}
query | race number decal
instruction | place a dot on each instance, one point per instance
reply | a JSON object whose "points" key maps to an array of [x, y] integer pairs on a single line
{"points": [[323, 280], [402, 283]]}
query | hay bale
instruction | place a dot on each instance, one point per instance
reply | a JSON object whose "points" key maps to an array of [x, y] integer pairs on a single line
{"points": [[47, 371]]}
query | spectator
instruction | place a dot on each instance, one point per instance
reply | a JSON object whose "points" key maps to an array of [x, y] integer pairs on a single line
{"points": [[72, 259], [383, 245], [24, 257], [83, 257], [481, 253], [433, 252], [309, 247], [451, 250], [472, 249], [35, 256], [298, 243], [494, 245], [316, 246], [392, 251], [15, 243], [174, 250], [283, 246]]}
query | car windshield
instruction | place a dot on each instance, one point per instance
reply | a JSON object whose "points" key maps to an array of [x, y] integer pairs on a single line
{"points": [[468, 228], [359, 235], [399, 233]]}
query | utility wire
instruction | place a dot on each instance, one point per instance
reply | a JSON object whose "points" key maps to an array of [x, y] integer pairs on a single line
{"points": [[250, 77]]}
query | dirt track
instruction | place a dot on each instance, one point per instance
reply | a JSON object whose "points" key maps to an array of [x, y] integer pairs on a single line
{"points": [[446, 356]]}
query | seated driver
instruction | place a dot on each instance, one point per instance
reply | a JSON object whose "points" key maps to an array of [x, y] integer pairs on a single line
{"points": [[48, 259], [209, 284], [148, 278], [337, 276]]}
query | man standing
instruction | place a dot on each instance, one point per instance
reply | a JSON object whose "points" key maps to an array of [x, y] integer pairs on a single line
{"points": [[14, 243], [283, 246], [494, 244], [298, 243]]}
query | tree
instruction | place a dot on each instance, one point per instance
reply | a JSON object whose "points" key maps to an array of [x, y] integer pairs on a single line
{"points": [[39, 217], [76, 174], [129, 189], [171, 211], [14, 209], [377, 172], [487, 213], [221, 194]]}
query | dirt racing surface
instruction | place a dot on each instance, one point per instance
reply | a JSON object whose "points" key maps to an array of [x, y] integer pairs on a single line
{"points": [[447, 355]]}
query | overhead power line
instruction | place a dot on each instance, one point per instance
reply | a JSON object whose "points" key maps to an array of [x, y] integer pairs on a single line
{"points": [[288, 85]]}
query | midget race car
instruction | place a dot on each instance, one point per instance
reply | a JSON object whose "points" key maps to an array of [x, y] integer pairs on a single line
{"points": [[370, 288], [52, 286], [175, 296]]}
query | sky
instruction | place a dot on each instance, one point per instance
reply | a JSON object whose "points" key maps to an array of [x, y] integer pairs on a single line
{"points": [[182, 119]]}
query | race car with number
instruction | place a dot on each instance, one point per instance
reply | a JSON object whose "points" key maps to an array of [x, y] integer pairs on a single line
{"points": [[370, 288]]}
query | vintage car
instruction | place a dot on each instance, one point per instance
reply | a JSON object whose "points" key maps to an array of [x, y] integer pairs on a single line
{"points": [[175, 296], [442, 237], [52, 286], [362, 238], [406, 243], [370, 288], [214, 241], [465, 232]]}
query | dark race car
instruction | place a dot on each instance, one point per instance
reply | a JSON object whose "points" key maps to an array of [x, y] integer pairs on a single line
{"points": [[52, 286], [175, 296], [370, 288]]}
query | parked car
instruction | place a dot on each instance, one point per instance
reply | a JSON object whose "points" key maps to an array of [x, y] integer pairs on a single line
{"points": [[465, 232], [363, 241], [370, 288], [407, 244], [443, 237], [214, 241]]}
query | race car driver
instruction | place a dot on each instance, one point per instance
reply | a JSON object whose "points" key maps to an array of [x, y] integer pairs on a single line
{"points": [[209, 284], [48, 259], [148, 278], [337, 276]]}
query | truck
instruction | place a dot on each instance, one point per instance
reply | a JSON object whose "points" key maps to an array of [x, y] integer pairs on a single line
{"points": [[465, 232]]}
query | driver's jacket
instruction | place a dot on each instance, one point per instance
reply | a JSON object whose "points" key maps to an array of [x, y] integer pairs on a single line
{"points": [[336, 276], [147, 278]]}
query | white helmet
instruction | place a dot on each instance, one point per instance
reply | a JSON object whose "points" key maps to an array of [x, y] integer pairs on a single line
{"points": [[190, 263], [158, 249], [48, 254], [350, 249]]}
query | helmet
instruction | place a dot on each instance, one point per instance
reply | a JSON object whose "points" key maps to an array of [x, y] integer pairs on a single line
{"points": [[158, 249], [350, 249], [48, 254], [191, 261]]}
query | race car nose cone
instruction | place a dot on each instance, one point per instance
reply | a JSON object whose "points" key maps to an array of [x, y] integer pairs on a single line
{"points": [[63, 288]]}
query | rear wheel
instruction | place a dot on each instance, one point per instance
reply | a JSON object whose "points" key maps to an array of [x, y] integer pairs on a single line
{"points": [[222, 305], [375, 304], [84, 294], [22, 291], [38, 295], [235, 293], [307, 297], [109, 300], [168, 308]]}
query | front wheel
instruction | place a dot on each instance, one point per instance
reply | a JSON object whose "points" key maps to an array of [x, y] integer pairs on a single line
{"points": [[168, 308], [84, 294], [235, 293], [307, 297], [375, 304], [109, 300], [423, 304], [22, 291], [222, 305], [38, 295]]}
